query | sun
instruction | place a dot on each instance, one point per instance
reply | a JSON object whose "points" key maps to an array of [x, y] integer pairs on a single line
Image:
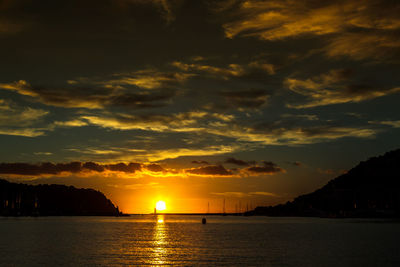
{"points": [[160, 205]]}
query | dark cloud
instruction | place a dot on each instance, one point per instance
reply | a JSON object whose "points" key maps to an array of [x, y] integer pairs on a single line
{"points": [[48, 168], [294, 163], [210, 170], [268, 168], [239, 162], [155, 167], [122, 167], [93, 166], [92, 97], [143, 100], [361, 89], [246, 99]]}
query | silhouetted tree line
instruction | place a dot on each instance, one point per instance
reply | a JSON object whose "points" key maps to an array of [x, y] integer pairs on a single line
{"points": [[52, 200], [371, 189]]}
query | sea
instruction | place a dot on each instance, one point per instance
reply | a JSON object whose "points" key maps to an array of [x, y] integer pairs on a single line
{"points": [[182, 240]]}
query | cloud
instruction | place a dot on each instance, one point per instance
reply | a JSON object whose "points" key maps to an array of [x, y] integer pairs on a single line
{"points": [[273, 20], [287, 130], [177, 122], [261, 193], [392, 123], [267, 168], [360, 46], [19, 116], [27, 132], [244, 99], [151, 153], [286, 134], [239, 162], [334, 87], [132, 169], [213, 170], [71, 123], [21, 121], [49, 168], [92, 97], [151, 122], [122, 167], [231, 70], [155, 167], [366, 29], [145, 79], [43, 153]]}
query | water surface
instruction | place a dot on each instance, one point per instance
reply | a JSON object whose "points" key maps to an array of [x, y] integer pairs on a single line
{"points": [[183, 240]]}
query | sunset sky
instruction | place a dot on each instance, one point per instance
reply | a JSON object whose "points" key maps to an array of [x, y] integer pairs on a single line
{"points": [[194, 101]]}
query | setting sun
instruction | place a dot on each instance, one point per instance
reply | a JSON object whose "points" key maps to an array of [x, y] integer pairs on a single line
{"points": [[160, 205]]}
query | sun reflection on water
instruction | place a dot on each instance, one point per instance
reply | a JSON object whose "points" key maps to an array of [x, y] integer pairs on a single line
{"points": [[160, 242]]}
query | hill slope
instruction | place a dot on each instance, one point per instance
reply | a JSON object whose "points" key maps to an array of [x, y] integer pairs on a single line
{"points": [[371, 189], [48, 200]]}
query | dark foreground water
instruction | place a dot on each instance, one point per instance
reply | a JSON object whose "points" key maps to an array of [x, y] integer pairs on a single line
{"points": [[183, 240]]}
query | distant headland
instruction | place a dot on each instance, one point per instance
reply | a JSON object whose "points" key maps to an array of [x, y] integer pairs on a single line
{"points": [[53, 200], [369, 190]]}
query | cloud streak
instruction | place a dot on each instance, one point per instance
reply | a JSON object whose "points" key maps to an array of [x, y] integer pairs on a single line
{"points": [[49, 168], [21, 121], [212, 170], [94, 97], [352, 28], [334, 87]]}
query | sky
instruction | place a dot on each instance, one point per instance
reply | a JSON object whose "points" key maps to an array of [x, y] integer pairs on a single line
{"points": [[194, 102]]}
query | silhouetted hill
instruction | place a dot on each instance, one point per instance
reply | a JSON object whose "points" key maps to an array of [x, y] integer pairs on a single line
{"points": [[371, 189], [49, 200]]}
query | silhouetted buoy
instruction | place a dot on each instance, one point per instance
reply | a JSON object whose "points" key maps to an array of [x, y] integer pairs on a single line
{"points": [[203, 221]]}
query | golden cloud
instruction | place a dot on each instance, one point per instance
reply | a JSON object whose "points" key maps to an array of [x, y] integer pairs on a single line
{"points": [[272, 20], [147, 79], [232, 70], [362, 46], [27, 132], [93, 96], [293, 136], [359, 29], [334, 87], [20, 121]]}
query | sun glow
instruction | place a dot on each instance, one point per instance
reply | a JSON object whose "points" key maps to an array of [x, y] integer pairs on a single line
{"points": [[160, 205]]}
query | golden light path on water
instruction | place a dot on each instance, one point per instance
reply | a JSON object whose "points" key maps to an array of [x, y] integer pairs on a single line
{"points": [[160, 236]]}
